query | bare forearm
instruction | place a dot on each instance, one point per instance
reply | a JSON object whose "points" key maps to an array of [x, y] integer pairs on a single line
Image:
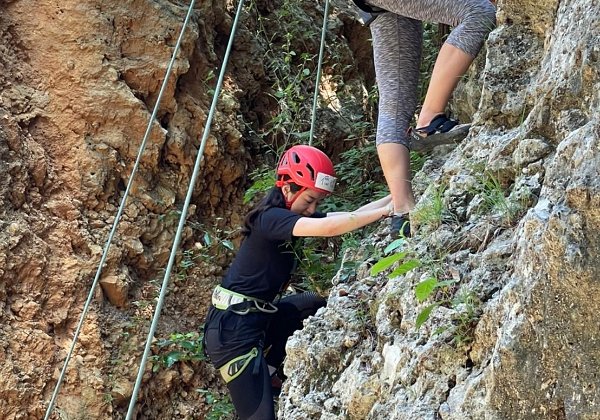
{"points": [[382, 202], [377, 204], [338, 224]]}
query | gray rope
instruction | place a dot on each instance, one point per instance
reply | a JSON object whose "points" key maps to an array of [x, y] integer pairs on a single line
{"points": [[318, 81], [118, 216], [184, 210]]}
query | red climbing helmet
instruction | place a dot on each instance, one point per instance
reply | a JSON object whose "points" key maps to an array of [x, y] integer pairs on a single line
{"points": [[308, 167]]}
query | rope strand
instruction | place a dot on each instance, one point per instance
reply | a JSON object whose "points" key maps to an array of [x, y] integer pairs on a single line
{"points": [[318, 81], [184, 210], [118, 216]]}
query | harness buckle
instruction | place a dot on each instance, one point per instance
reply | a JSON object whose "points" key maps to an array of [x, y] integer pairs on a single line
{"points": [[225, 299]]}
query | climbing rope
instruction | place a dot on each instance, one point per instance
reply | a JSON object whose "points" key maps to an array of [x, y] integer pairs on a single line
{"points": [[118, 215], [318, 81], [184, 210], [177, 240]]}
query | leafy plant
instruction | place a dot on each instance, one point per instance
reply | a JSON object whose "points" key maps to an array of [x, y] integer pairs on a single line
{"points": [[417, 160], [221, 407], [315, 266], [431, 212], [263, 179], [290, 62], [422, 292], [386, 262], [178, 348], [212, 243], [466, 305], [495, 198]]}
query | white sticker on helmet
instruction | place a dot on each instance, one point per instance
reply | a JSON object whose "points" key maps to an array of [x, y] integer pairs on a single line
{"points": [[325, 182]]}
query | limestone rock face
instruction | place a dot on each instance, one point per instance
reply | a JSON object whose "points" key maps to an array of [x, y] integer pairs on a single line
{"points": [[514, 333], [79, 81]]}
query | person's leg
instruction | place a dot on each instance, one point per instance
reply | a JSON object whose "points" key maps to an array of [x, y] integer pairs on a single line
{"points": [[397, 54], [395, 163], [472, 19], [451, 64], [251, 393], [476, 18], [234, 345], [292, 310]]}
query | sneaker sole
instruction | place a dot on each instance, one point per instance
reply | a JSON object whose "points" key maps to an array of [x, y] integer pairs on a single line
{"points": [[455, 135]]}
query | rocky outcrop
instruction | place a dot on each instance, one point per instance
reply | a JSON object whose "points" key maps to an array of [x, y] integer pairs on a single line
{"points": [[508, 225], [78, 83]]}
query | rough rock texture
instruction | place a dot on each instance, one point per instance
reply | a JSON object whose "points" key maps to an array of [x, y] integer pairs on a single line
{"points": [[78, 83], [510, 219]]}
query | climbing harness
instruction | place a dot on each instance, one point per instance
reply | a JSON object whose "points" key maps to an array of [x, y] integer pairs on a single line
{"points": [[119, 214], [234, 368], [257, 304], [225, 299]]}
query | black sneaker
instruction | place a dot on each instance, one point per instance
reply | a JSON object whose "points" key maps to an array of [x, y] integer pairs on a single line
{"points": [[400, 225]]}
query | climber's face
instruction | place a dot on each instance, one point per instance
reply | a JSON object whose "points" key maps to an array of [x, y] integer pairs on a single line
{"points": [[305, 202]]}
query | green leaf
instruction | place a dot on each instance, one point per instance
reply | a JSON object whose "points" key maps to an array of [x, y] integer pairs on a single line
{"points": [[424, 289], [440, 330], [188, 345], [395, 244], [386, 262], [424, 315], [172, 358], [228, 244], [405, 268], [164, 343], [306, 72], [445, 283]]}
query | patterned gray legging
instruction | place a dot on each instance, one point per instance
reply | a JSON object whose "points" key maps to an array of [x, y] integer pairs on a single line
{"points": [[397, 44]]}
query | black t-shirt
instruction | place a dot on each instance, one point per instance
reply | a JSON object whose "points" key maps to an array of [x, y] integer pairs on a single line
{"points": [[266, 259]]}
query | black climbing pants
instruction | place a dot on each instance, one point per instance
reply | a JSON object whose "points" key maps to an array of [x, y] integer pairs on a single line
{"points": [[228, 335]]}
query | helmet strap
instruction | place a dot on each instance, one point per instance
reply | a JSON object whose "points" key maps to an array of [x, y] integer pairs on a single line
{"points": [[288, 204]]}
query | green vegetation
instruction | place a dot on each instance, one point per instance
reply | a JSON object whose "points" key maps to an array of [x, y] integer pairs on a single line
{"points": [[178, 348], [496, 199], [221, 406], [263, 179], [212, 243], [189, 347], [431, 213], [442, 293], [290, 59]]}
